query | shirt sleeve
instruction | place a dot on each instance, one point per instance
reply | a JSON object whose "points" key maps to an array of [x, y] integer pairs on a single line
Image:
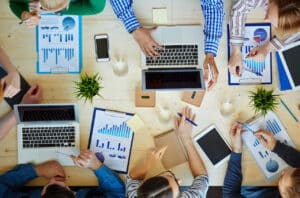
{"points": [[198, 188], [124, 11], [17, 7], [288, 154], [131, 187], [109, 181], [15, 178], [85, 7], [233, 178], [213, 11], [238, 17]]}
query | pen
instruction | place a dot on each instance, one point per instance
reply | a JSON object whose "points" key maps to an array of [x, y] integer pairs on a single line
{"points": [[246, 126], [24, 21], [97, 154], [288, 109], [211, 77], [188, 120]]}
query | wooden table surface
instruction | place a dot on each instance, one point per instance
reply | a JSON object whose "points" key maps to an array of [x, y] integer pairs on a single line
{"points": [[118, 92]]}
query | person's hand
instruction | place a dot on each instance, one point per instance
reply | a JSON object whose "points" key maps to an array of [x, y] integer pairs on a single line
{"points": [[184, 128], [154, 155], [31, 18], [87, 159], [266, 138], [1, 91], [33, 95], [236, 61], [259, 53], [50, 169], [236, 138], [146, 42], [211, 81], [11, 84]]}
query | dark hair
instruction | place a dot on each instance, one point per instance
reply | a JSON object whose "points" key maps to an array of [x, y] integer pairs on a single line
{"points": [[155, 187], [294, 189], [58, 191]]}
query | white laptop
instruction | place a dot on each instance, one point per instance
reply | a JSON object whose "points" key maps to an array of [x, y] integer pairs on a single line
{"points": [[179, 64], [47, 132]]}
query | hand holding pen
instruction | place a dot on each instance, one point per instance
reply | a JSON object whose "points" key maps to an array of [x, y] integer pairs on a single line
{"points": [[31, 19]]}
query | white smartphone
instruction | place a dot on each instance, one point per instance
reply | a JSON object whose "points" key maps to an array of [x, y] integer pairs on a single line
{"points": [[102, 47]]}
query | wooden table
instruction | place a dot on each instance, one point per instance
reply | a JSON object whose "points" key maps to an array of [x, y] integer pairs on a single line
{"points": [[118, 92]]}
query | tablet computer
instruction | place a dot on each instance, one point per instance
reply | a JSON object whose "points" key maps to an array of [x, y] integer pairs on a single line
{"points": [[290, 61], [212, 144]]}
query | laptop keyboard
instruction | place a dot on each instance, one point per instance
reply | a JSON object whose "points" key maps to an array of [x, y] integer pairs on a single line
{"points": [[175, 55], [38, 137]]}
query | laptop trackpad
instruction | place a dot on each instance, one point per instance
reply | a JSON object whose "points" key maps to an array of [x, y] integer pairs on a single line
{"points": [[163, 35]]}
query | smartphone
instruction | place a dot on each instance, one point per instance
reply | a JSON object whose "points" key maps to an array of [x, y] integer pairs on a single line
{"points": [[102, 47]]}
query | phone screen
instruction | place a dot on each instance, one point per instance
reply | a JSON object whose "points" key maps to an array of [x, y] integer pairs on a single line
{"points": [[102, 47]]}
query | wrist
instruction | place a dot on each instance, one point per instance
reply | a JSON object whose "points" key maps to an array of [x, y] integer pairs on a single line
{"points": [[38, 170], [236, 49], [96, 166], [237, 150]]}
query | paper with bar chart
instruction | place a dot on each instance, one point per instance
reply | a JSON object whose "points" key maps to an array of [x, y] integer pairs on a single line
{"points": [[256, 34], [59, 44], [269, 163], [111, 136]]}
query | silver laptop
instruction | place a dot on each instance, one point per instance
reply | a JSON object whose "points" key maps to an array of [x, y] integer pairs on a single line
{"points": [[179, 64], [46, 132]]}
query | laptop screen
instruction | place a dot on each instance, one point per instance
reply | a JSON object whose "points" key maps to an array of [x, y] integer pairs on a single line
{"points": [[174, 79], [46, 113], [291, 57]]}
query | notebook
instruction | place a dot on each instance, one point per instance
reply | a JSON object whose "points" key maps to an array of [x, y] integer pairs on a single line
{"points": [[47, 132], [177, 67]]}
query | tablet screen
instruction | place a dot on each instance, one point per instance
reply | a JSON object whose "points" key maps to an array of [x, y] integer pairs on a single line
{"points": [[291, 57], [214, 146]]}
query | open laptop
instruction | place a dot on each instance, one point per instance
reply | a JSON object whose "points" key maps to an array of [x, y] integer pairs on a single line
{"points": [[178, 66], [46, 132]]}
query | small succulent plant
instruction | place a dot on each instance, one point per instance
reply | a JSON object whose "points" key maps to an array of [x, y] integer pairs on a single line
{"points": [[88, 87]]}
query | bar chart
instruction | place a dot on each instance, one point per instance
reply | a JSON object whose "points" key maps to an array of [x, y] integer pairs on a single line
{"points": [[116, 130], [57, 54]]}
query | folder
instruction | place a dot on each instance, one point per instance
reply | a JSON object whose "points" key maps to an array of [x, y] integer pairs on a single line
{"points": [[284, 83]]}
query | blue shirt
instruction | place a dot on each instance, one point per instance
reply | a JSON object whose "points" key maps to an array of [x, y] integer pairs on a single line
{"points": [[110, 185], [213, 11]]}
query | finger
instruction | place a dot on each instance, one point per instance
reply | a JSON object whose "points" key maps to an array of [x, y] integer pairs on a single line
{"points": [[193, 117], [152, 50], [189, 113], [59, 178], [149, 52], [151, 29], [205, 76], [176, 124], [182, 119]]}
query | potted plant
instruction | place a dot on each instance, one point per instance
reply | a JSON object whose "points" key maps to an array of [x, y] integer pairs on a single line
{"points": [[263, 100], [88, 87]]}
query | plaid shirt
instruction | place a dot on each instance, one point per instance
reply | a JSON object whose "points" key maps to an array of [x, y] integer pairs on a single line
{"points": [[213, 11]]}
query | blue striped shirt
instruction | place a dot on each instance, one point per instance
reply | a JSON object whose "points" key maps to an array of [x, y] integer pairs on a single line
{"points": [[213, 11]]}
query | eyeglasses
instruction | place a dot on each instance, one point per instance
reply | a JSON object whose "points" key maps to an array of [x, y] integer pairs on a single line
{"points": [[171, 174]]}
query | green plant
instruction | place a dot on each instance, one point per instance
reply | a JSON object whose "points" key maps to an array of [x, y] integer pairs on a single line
{"points": [[88, 87], [263, 100]]}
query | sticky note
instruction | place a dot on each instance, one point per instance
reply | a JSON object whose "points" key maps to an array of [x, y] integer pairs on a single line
{"points": [[159, 15], [135, 123]]}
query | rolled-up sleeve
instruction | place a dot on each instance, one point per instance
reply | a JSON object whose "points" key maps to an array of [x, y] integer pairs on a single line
{"points": [[198, 188]]}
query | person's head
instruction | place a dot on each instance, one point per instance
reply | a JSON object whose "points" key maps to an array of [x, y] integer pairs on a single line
{"points": [[54, 5], [284, 15], [165, 185], [289, 183], [57, 189]]}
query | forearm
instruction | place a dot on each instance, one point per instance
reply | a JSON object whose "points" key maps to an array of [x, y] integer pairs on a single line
{"points": [[7, 123], [139, 171], [213, 11], [5, 61], [195, 162], [233, 177], [125, 13], [289, 154]]}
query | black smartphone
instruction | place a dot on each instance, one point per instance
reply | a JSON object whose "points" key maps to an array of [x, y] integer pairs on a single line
{"points": [[102, 47]]}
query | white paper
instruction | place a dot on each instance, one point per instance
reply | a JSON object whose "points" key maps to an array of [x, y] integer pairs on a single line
{"points": [[269, 163], [58, 44], [111, 136], [254, 72]]}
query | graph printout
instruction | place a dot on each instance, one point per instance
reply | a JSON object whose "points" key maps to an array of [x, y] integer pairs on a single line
{"points": [[269, 163], [59, 44], [111, 136], [256, 34]]}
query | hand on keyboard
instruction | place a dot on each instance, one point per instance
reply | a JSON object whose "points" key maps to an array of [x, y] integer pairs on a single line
{"points": [[211, 81], [146, 42]]}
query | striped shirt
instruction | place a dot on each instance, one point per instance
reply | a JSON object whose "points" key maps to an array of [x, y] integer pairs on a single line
{"points": [[213, 11], [238, 19], [198, 189]]}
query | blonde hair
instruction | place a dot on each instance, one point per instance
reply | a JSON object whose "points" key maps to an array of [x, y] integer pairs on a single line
{"points": [[54, 5], [288, 15]]}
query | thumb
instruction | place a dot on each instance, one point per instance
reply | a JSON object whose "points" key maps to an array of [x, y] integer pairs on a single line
{"points": [[152, 29]]}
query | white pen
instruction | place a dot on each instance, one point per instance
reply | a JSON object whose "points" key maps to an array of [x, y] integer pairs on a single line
{"points": [[211, 76]]}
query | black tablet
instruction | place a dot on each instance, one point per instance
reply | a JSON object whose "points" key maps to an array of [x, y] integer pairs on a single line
{"points": [[212, 144]]}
